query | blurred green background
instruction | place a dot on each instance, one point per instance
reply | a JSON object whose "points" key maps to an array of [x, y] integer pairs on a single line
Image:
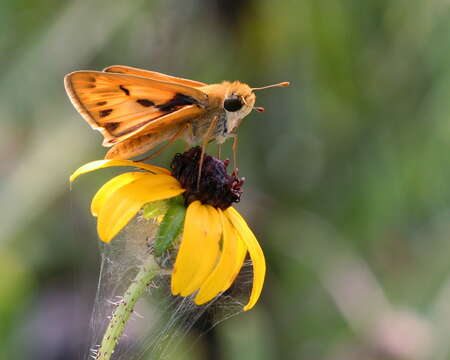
{"points": [[347, 170]]}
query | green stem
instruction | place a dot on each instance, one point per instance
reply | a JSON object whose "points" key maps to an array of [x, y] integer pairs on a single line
{"points": [[124, 309]]}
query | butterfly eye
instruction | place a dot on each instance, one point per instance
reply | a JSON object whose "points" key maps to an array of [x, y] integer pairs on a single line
{"points": [[233, 103]]}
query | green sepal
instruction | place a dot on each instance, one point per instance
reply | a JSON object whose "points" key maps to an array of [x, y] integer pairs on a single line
{"points": [[171, 225], [154, 209]]}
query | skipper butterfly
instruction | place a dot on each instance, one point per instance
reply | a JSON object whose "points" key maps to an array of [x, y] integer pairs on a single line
{"points": [[137, 110]]}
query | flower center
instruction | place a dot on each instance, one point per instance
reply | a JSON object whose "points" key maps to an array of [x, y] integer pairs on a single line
{"points": [[215, 188]]}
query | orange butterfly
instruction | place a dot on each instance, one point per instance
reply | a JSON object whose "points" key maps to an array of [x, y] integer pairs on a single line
{"points": [[136, 110]]}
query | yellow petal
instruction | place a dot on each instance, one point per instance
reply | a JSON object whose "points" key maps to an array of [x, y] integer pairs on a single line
{"points": [[110, 187], [99, 164], [211, 250], [220, 278], [241, 252], [198, 250], [122, 205], [193, 239], [255, 251]]}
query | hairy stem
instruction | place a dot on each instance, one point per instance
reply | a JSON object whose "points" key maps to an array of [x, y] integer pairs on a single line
{"points": [[124, 309]]}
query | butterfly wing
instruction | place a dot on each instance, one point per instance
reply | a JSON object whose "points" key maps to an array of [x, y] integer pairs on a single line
{"points": [[121, 106], [121, 69]]}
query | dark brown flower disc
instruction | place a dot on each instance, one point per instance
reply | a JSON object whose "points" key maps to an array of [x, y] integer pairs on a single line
{"points": [[215, 188]]}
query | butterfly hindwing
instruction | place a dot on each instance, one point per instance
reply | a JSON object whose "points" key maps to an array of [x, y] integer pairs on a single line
{"points": [[121, 105]]}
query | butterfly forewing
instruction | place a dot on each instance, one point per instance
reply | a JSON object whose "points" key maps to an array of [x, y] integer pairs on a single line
{"points": [[120, 69], [121, 105]]}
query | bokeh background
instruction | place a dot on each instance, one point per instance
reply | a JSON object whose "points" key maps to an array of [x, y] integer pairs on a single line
{"points": [[347, 170]]}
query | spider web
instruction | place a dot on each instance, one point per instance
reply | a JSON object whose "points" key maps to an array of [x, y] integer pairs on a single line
{"points": [[160, 321]]}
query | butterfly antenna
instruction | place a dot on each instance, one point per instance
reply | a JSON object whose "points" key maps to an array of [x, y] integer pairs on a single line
{"points": [[281, 84]]}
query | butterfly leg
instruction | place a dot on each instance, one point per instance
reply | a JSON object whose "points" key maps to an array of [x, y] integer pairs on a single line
{"points": [[191, 136], [204, 143], [234, 148], [200, 164], [219, 151]]}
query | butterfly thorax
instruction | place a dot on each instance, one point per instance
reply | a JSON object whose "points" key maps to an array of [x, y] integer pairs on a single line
{"points": [[213, 124]]}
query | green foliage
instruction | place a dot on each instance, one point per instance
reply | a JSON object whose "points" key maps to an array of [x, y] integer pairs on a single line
{"points": [[154, 209], [171, 225]]}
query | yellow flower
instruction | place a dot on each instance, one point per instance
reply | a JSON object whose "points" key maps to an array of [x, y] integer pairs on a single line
{"points": [[215, 239]]}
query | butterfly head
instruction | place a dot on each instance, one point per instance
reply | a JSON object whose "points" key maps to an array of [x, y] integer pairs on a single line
{"points": [[239, 101]]}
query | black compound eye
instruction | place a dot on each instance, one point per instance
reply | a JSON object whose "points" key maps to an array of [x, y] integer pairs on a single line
{"points": [[233, 103]]}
